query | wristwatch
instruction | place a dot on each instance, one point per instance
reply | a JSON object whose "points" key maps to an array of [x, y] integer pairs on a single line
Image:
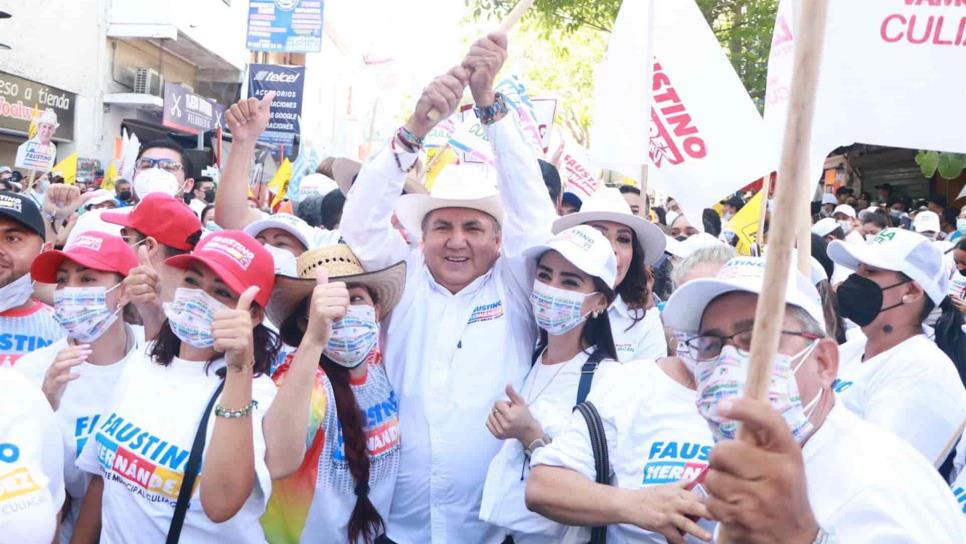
{"points": [[536, 445], [487, 115]]}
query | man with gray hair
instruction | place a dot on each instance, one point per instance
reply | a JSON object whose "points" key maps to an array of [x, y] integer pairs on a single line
{"points": [[810, 470]]}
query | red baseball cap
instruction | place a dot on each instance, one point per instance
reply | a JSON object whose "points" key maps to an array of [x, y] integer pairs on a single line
{"points": [[162, 217], [237, 258], [92, 249]]}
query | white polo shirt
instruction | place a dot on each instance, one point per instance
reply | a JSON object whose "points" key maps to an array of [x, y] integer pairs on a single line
{"points": [[912, 390], [449, 356], [641, 340], [654, 436], [866, 485]]}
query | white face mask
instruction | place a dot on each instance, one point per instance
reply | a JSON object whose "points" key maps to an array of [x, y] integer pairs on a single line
{"points": [[353, 337], [285, 263], [83, 312], [155, 180], [190, 315], [726, 377], [961, 225], [16, 293], [846, 225], [557, 311]]}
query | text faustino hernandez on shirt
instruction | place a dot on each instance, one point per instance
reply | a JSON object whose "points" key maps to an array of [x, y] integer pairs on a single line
{"points": [[147, 464]]}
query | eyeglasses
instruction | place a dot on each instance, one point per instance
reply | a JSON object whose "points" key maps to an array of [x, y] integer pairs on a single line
{"points": [[167, 165], [707, 347]]}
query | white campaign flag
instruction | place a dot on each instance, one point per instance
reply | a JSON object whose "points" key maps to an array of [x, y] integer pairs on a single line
{"points": [[707, 137], [619, 135], [892, 73]]}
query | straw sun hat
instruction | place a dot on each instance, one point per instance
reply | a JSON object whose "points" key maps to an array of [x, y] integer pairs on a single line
{"points": [[341, 264]]}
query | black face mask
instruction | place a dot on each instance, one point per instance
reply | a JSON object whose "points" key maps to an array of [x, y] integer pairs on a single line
{"points": [[963, 272], [124, 195], [860, 299], [210, 196]]}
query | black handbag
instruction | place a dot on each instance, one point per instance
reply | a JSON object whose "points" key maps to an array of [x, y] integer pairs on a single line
{"points": [[191, 470], [598, 443]]}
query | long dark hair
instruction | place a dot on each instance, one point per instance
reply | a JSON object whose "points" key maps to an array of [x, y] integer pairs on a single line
{"points": [[597, 332], [633, 288], [167, 345], [365, 520]]}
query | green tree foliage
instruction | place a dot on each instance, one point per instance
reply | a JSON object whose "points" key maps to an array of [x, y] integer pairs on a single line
{"points": [[573, 37], [947, 165]]}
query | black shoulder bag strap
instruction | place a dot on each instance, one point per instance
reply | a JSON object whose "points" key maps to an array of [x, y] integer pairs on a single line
{"points": [[587, 375], [598, 443], [191, 470]]}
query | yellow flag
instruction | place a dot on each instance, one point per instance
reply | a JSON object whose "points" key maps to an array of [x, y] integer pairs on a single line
{"points": [[67, 169], [32, 130], [110, 177], [436, 160], [745, 224], [279, 183]]}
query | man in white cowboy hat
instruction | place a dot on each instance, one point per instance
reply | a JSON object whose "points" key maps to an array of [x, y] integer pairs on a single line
{"points": [[894, 375], [46, 126], [464, 327]]}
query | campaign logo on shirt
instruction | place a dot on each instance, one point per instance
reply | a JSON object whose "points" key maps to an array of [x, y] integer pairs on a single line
{"points": [[624, 348], [486, 312], [12, 346], [670, 462], [146, 464], [381, 423], [960, 494], [83, 428]]}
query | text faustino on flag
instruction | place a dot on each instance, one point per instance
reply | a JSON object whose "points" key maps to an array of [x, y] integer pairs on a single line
{"points": [[674, 136]]}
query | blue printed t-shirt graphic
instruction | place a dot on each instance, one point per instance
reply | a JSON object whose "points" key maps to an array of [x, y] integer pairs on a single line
{"points": [[381, 425], [146, 464], [670, 462], [83, 428], [960, 494]]}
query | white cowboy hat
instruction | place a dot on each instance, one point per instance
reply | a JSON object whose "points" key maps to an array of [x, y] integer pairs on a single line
{"points": [[608, 204], [341, 264], [456, 187]]}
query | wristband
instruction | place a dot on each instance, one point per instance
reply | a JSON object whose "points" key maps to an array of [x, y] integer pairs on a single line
{"points": [[395, 155], [410, 140], [228, 413], [536, 445], [487, 115]]}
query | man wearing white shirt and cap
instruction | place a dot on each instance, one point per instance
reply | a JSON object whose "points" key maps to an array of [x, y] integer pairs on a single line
{"points": [[463, 329], [896, 377], [829, 202], [810, 471]]}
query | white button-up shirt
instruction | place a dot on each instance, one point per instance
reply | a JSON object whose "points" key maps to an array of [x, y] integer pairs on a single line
{"points": [[450, 355], [643, 339]]}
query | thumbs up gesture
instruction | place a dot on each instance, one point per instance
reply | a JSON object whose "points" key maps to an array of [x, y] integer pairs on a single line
{"points": [[512, 419], [142, 286], [232, 331], [248, 118], [329, 304]]}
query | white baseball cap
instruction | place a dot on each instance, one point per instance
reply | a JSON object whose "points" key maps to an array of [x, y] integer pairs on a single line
{"points": [[99, 197], [900, 251], [825, 226], [685, 308], [608, 204], [926, 221], [584, 247], [845, 209], [685, 249], [291, 224], [829, 198]]}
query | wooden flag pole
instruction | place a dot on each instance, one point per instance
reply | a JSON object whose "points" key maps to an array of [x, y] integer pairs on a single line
{"points": [[762, 212], [789, 197], [505, 26]]}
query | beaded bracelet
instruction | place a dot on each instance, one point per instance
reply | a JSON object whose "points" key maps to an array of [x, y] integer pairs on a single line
{"points": [[228, 413], [409, 139], [395, 155]]}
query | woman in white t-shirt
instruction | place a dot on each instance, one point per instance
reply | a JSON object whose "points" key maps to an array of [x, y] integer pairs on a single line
{"points": [[78, 373], [212, 353], [574, 286], [31, 463], [635, 324], [333, 431]]}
